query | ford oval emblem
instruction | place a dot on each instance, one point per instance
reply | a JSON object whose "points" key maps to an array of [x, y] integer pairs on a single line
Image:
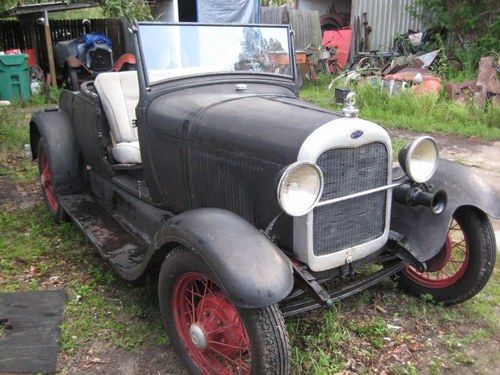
{"points": [[356, 134]]}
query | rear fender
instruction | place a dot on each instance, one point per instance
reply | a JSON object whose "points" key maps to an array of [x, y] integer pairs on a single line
{"points": [[426, 232], [62, 150], [248, 266]]}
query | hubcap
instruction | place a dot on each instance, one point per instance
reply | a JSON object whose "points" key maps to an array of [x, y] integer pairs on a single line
{"points": [[198, 336]]}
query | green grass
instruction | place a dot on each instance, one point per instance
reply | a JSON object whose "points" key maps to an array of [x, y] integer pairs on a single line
{"points": [[102, 309], [14, 134], [324, 342], [426, 114]]}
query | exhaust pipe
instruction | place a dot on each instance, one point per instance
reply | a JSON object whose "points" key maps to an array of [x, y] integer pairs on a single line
{"points": [[415, 196]]}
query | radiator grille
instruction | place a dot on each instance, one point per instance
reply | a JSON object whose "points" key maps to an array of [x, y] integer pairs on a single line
{"points": [[353, 170], [354, 221]]}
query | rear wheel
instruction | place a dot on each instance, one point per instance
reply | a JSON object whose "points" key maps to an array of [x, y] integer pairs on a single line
{"points": [[462, 267], [47, 182], [212, 335]]}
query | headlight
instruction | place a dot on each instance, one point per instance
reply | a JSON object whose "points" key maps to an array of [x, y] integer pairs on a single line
{"points": [[300, 188], [419, 159]]}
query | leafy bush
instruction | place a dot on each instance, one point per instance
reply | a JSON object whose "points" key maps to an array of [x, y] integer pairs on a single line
{"points": [[471, 29]]}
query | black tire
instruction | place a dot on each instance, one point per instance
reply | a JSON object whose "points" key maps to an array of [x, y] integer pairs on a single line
{"points": [[73, 82], [56, 211], [265, 326], [482, 253]]}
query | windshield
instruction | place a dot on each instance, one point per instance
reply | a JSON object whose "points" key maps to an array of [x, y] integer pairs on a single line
{"points": [[176, 50]]}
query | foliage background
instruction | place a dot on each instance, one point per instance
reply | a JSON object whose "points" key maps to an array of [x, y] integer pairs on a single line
{"points": [[129, 9], [471, 29]]}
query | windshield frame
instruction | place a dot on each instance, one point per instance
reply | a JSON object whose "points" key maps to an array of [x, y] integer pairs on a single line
{"points": [[293, 67]]}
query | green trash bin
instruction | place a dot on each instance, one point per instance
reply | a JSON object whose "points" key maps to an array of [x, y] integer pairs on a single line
{"points": [[14, 78]]}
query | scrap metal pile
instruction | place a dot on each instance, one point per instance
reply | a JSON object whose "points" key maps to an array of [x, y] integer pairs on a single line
{"points": [[486, 86], [407, 67]]}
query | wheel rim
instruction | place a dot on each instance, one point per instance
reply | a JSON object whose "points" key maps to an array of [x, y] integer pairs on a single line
{"points": [[46, 181], [449, 265], [209, 326]]}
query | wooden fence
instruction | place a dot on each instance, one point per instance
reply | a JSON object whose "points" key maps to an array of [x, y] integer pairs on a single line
{"points": [[26, 35], [305, 23]]}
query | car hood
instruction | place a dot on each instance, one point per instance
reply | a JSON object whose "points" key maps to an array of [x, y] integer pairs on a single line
{"points": [[265, 121]]}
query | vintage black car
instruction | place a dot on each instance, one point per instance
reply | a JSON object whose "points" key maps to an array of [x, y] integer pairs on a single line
{"points": [[204, 162]]}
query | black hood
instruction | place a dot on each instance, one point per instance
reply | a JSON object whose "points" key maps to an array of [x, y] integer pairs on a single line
{"points": [[265, 121]]}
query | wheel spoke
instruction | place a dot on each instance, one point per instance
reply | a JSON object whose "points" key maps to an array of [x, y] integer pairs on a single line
{"points": [[228, 345], [190, 309], [222, 328], [205, 283], [243, 365], [199, 301], [214, 310]]}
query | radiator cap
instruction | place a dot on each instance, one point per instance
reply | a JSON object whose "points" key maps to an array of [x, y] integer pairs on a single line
{"points": [[350, 110]]}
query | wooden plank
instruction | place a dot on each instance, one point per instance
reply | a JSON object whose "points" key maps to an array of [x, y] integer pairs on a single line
{"points": [[50, 49]]}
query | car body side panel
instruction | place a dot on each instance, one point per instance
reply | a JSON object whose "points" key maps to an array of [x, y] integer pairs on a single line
{"points": [[425, 232], [248, 266], [92, 131]]}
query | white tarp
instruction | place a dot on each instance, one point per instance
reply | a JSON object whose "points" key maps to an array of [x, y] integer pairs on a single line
{"points": [[223, 11]]}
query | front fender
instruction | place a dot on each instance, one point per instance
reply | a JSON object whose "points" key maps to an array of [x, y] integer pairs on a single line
{"points": [[248, 266], [62, 150], [426, 232]]}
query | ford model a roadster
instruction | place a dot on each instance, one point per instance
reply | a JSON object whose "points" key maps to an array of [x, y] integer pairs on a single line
{"points": [[205, 162]]}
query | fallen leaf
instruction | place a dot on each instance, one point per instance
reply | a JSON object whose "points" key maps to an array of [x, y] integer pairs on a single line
{"points": [[413, 346]]}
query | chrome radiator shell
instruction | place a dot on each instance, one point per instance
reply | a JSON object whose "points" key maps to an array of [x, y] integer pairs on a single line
{"points": [[338, 134]]}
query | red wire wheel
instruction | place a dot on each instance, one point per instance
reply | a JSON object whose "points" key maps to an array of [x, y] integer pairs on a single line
{"points": [[209, 326], [449, 265], [46, 180]]}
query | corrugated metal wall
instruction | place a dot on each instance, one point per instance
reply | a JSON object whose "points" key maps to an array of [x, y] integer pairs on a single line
{"points": [[386, 17]]}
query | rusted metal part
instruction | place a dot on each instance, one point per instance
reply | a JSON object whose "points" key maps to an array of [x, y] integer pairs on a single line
{"points": [[409, 74], [427, 87], [423, 81], [460, 92], [309, 282], [299, 307], [487, 82], [487, 86]]}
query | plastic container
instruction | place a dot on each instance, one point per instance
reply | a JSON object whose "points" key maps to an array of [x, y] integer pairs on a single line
{"points": [[14, 78]]}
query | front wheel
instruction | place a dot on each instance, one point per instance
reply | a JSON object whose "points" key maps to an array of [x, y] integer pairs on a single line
{"points": [[212, 335], [464, 264]]}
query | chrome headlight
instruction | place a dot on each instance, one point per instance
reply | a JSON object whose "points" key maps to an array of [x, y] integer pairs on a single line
{"points": [[419, 159], [299, 188]]}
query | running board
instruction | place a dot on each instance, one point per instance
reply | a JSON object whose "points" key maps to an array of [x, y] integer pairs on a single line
{"points": [[115, 244], [303, 306]]}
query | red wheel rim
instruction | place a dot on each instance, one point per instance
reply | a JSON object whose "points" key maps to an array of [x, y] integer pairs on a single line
{"points": [[46, 181], [449, 265], [209, 326]]}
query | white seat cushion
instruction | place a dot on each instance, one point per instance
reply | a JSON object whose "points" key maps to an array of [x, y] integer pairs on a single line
{"points": [[127, 152], [119, 93]]}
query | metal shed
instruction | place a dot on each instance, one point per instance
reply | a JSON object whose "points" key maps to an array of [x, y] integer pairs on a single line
{"points": [[386, 17]]}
